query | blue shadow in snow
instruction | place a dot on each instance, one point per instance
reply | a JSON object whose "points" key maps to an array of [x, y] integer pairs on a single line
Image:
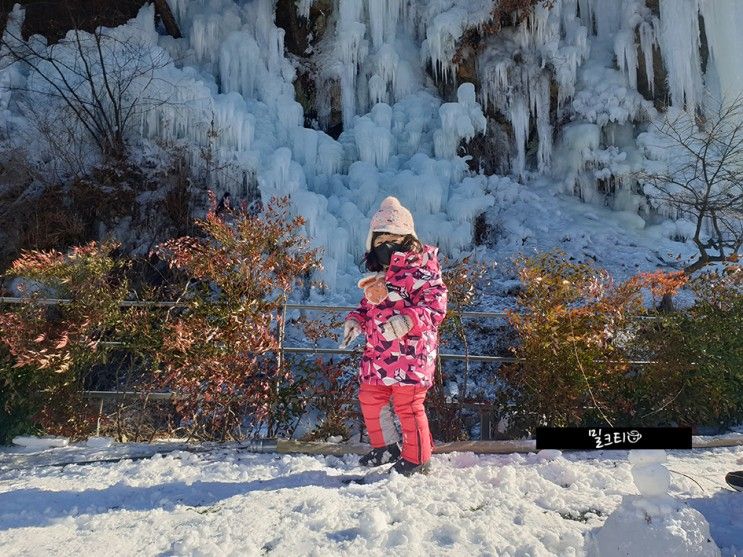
{"points": [[724, 512], [37, 507]]}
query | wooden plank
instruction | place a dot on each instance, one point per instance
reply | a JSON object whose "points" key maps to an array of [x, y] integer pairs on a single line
{"points": [[288, 446], [481, 447], [729, 440], [291, 446]]}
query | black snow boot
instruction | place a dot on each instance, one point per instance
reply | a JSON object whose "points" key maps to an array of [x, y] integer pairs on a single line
{"points": [[735, 480], [382, 455], [407, 468]]}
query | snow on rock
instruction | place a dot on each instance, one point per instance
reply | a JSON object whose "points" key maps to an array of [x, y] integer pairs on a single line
{"points": [[444, 22], [374, 139], [653, 523]]}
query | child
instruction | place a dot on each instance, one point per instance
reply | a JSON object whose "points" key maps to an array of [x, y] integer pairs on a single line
{"points": [[404, 303]]}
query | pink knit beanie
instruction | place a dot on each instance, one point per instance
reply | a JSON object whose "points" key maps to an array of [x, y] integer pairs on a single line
{"points": [[392, 218]]}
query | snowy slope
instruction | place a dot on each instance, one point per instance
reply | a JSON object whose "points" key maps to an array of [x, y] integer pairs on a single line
{"points": [[230, 503]]}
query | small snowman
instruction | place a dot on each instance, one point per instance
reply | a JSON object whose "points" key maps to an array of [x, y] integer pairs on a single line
{"points": [[652, 523], [651, 477]]}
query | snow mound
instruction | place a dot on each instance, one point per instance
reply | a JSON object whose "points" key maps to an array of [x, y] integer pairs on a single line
{"points": [[40, 443], [653, 523], [642, 526], [99, 442]]}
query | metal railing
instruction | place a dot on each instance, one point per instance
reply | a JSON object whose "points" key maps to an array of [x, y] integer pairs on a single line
{"points": [[484, 408], [483, 358]]}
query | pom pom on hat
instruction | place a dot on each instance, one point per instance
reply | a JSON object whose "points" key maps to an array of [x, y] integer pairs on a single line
{"points": [[392, 218]]}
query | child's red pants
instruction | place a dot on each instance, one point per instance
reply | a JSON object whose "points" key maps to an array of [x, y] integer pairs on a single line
{"points": [[407, 400]]}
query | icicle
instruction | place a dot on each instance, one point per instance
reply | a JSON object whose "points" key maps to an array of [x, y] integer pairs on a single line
{"points": [[444, 25], [236, 125], [569, 13], [374, 142], [519, 117], [303, 8], [586, 14], [239, 64], [626, 52], [377, 89], [723, 21], [680, 43], [608, 14], [441, 39], [329, 155], [207, 33], [383, 17], [179, 9], [648, 41], [10, 74], [459, 120], [544, 129], [350, 50]]}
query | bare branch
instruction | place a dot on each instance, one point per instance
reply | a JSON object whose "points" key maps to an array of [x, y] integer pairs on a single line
{"points": [[703, 179]]}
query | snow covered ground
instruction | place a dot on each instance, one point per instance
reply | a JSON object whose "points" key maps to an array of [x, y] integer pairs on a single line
{"points": [[230, 502]]}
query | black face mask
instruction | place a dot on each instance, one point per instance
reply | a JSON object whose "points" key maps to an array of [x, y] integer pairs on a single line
{"points": [[384, 252]]}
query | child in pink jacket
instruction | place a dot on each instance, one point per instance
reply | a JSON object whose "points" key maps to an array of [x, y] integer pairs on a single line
{"points": [[402, 308]]}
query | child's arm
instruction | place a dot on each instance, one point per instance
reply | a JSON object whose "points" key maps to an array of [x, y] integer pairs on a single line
{"points": [[355, 323], [360, 313], [426, 305]]}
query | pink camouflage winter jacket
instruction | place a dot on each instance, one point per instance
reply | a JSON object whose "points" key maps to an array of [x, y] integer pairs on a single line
{"points": [[416, 291]]}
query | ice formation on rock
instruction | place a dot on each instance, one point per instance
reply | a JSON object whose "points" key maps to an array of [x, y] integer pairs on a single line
{"points": [[724, 20], [680, 41], [567, 80], [10, 73]]}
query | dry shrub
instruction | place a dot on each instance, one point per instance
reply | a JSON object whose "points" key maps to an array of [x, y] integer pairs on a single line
{"points": [[331, 393], [574, 323], [32, 217], [220, 355], [461, 279], [53, 347], [697, 375]]}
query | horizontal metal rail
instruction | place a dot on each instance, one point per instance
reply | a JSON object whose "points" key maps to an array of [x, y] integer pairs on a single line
{"points": [[339, 351], [307, 307], [338, 309], [328, 309], [62, 301], [116, 395], [444, 356], [155, 304]]}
